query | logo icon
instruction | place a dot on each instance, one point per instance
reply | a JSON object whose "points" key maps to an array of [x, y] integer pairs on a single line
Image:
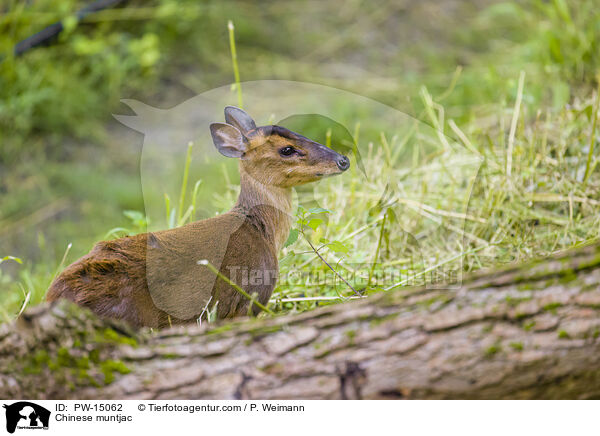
{"points": [[26, 415]]}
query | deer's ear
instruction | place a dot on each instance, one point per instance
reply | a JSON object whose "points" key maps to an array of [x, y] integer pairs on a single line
{"points": [[229, 141], [240, 119]]}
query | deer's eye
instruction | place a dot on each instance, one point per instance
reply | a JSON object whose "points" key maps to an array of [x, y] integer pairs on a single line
{"points": [[287, 151]]}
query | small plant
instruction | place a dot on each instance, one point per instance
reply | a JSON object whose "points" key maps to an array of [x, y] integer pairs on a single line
{"points": [[139, 224], [517, 346], [310, 219], [4, 311]]}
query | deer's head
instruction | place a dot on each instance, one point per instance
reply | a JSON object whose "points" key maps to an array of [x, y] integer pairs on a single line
{"points": [[274, 155]]}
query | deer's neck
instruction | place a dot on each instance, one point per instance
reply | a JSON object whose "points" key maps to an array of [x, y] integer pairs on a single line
{"points": [[267, 207]]}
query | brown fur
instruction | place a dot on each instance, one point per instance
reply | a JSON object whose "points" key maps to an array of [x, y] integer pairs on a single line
{"points": [[153, 279]]}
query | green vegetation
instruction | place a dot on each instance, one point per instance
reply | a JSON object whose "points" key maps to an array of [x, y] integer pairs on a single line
{"points": [[493, 349], [517, 346], [514, 83]]}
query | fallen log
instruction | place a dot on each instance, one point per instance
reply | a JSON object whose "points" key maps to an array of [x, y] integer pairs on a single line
{"points": [[527, 331]]}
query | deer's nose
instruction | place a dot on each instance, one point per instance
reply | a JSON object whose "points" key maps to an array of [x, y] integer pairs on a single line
{"points": [[343, 163]]}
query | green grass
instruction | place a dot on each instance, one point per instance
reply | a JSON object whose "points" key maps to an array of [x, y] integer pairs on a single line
{"points": [[524, 97], [541, 208]]}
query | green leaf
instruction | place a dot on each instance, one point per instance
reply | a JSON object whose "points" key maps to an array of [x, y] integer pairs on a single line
{"points": [[114, 232], [319, 210], [5, 258], [134, 215], [324, 241], [338, 247], [301, 222], [315, 223], [69, 25], [293, 237], [588, 111], [137, 218]]}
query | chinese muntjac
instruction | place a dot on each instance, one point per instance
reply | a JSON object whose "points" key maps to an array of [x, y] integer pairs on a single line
{"points": [[154, 279]]}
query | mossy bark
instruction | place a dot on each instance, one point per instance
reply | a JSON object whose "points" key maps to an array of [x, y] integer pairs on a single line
{"points": [[529, 331]]}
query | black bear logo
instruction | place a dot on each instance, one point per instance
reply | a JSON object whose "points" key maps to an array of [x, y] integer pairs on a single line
{"points": [[28, 415]]}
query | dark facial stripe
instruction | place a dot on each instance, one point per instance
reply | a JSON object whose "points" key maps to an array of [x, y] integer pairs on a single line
{"points": [[285, 133], [282, 132]]}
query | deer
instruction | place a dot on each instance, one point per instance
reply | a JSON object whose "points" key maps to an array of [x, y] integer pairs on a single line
{"points": [[157, 279]]}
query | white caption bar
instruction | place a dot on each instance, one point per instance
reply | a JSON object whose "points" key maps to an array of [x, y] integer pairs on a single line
{"points": [[22, 417]]}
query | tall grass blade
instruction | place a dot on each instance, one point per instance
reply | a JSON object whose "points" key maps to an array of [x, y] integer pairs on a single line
{"points": [[234, 61]]}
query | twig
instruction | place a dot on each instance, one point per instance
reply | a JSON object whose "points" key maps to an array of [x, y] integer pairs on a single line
{"points": [[329, 266], [54, 29], [345, 238]]}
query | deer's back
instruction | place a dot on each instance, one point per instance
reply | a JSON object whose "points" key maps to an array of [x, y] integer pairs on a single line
{"points": [[153, 279], [110, 280]]}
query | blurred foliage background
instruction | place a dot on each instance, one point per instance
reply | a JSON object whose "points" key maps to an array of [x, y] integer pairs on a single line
{"points": [[68, 171]]}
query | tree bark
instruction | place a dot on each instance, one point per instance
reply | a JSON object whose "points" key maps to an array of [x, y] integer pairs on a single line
{"points": [[528, 331]]}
